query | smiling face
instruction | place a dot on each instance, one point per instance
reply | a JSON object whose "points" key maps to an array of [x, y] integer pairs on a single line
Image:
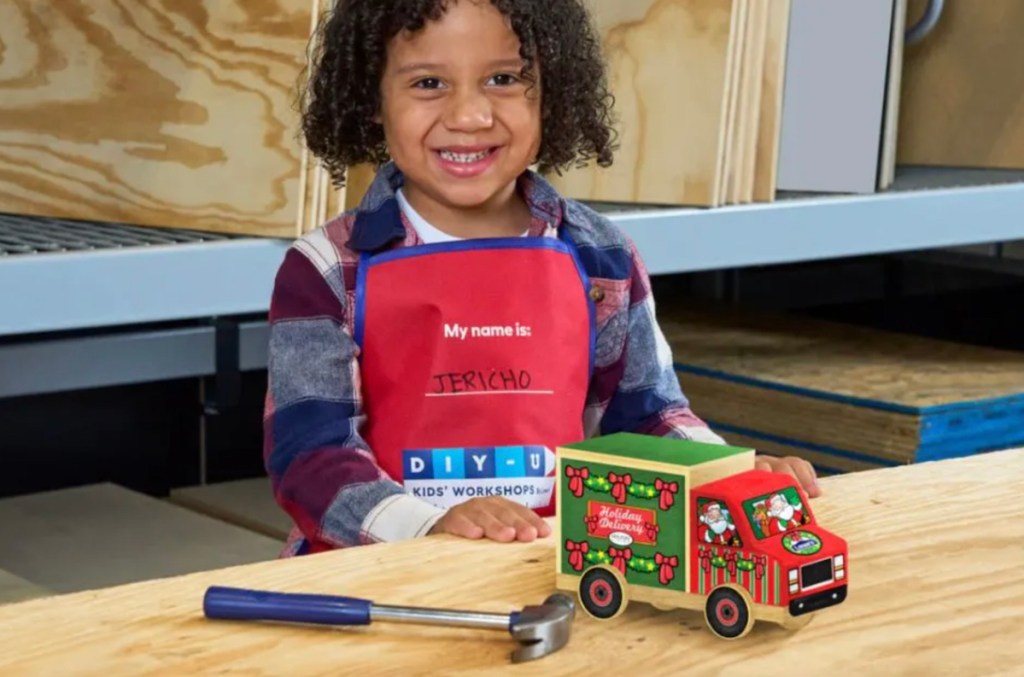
{"points": [[459, 120]]}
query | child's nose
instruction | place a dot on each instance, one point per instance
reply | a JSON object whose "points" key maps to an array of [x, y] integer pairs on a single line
{"points": [[469, 111]]}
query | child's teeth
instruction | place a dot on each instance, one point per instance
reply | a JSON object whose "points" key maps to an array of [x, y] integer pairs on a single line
{"points": [[464, 158]]}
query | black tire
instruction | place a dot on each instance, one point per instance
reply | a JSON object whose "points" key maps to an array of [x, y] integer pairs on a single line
{"points": [[727, 613], [600, 594]]}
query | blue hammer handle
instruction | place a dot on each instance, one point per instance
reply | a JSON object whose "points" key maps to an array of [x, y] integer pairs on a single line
{"points": [[254, 605]]}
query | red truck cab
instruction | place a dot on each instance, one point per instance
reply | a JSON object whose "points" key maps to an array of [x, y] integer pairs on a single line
{"points": [[755, 533]]}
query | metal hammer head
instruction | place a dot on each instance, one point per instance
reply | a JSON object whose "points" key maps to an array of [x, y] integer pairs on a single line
{"points": [[543, 629]]}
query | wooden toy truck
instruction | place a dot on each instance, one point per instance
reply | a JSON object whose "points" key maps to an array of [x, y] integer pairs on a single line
{"points": [[680, 524]]}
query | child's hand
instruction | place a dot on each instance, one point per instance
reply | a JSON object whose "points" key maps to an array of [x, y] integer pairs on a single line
{"points": [[797, 467], [493, 517]]}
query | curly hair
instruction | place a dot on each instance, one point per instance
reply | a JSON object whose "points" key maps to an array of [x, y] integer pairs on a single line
{"points": [[342, 96]]}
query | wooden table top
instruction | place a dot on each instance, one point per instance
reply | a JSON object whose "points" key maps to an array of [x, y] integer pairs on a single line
{"points": [[936, 574]]}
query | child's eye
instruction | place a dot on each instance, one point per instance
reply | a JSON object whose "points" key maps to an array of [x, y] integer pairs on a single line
{"points": [[505, 79], [428, 83]]}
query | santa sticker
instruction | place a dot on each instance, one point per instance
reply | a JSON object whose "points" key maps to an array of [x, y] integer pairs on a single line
{"points": [[776, 513], [716, 525]]}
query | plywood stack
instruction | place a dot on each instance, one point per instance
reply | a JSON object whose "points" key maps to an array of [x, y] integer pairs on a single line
{"points": [[159, 114], [845, 398], [698, 89]]}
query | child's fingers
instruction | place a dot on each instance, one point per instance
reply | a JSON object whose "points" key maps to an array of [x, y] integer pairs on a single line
{"points": [[536, 522], [543, 528], [515, 516], [527, 524], [494, 527], [524, 530], [458, 524], [496, 518], [797, 468], [808, 478]]}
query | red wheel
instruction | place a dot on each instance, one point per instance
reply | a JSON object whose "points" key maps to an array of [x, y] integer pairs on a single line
{"points": [[727, 613], [601, 593]]}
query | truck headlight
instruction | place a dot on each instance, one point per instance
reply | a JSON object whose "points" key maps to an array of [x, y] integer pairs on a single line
{"points": [[839, 561], [794, 588], [792, 575]]}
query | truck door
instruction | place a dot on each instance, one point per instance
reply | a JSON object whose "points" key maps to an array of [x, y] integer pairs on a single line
{"points": [[718, 544], [724, 557]]}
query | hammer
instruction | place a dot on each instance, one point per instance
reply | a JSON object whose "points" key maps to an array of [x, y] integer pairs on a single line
{"points": [[540, 629]]}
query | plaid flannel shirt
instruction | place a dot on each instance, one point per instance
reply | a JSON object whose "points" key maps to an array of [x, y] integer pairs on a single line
{"points": [[323, 473]]}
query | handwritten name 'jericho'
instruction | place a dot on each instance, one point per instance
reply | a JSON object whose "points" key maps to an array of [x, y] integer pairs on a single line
{"points": [[482, 381]]}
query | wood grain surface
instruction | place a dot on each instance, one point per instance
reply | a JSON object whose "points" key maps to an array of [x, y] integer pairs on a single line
{"points": [[153, 112], [741, 189], [936, 573], [728, 125], [841, 359], [667, 70], [770, 119], [962, 102], [357, 181]]}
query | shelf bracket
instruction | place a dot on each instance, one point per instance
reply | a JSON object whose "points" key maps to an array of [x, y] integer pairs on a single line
{"points": [[226, 387]]}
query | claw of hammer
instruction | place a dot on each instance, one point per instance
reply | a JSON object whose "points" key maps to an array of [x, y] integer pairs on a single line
{"points": [[541, 630]]}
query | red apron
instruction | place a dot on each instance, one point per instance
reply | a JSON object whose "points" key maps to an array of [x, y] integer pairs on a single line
{"points": [[475, 360]]}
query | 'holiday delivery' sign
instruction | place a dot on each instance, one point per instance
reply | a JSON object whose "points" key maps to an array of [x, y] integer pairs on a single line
{"points": [[605, 519]]}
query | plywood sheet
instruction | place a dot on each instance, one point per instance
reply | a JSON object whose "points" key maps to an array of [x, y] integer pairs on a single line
{"points": [[101, 535], [733, 93], [836, 69], [247, 503], [155, 113], [667, 64], [824, 464], [932, 592], [770, 119], [15, 589], [963, 88], [757, 34], [841, 360], [357, 181]]}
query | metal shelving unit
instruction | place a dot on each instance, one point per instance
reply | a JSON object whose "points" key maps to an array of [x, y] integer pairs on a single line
{"points": [[57, 275]]}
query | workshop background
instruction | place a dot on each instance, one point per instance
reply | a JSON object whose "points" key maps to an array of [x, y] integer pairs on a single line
{"points": [[828, 197]]}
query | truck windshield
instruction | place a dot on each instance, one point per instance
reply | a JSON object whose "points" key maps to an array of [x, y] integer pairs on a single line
{"points": [[776, 512]]}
